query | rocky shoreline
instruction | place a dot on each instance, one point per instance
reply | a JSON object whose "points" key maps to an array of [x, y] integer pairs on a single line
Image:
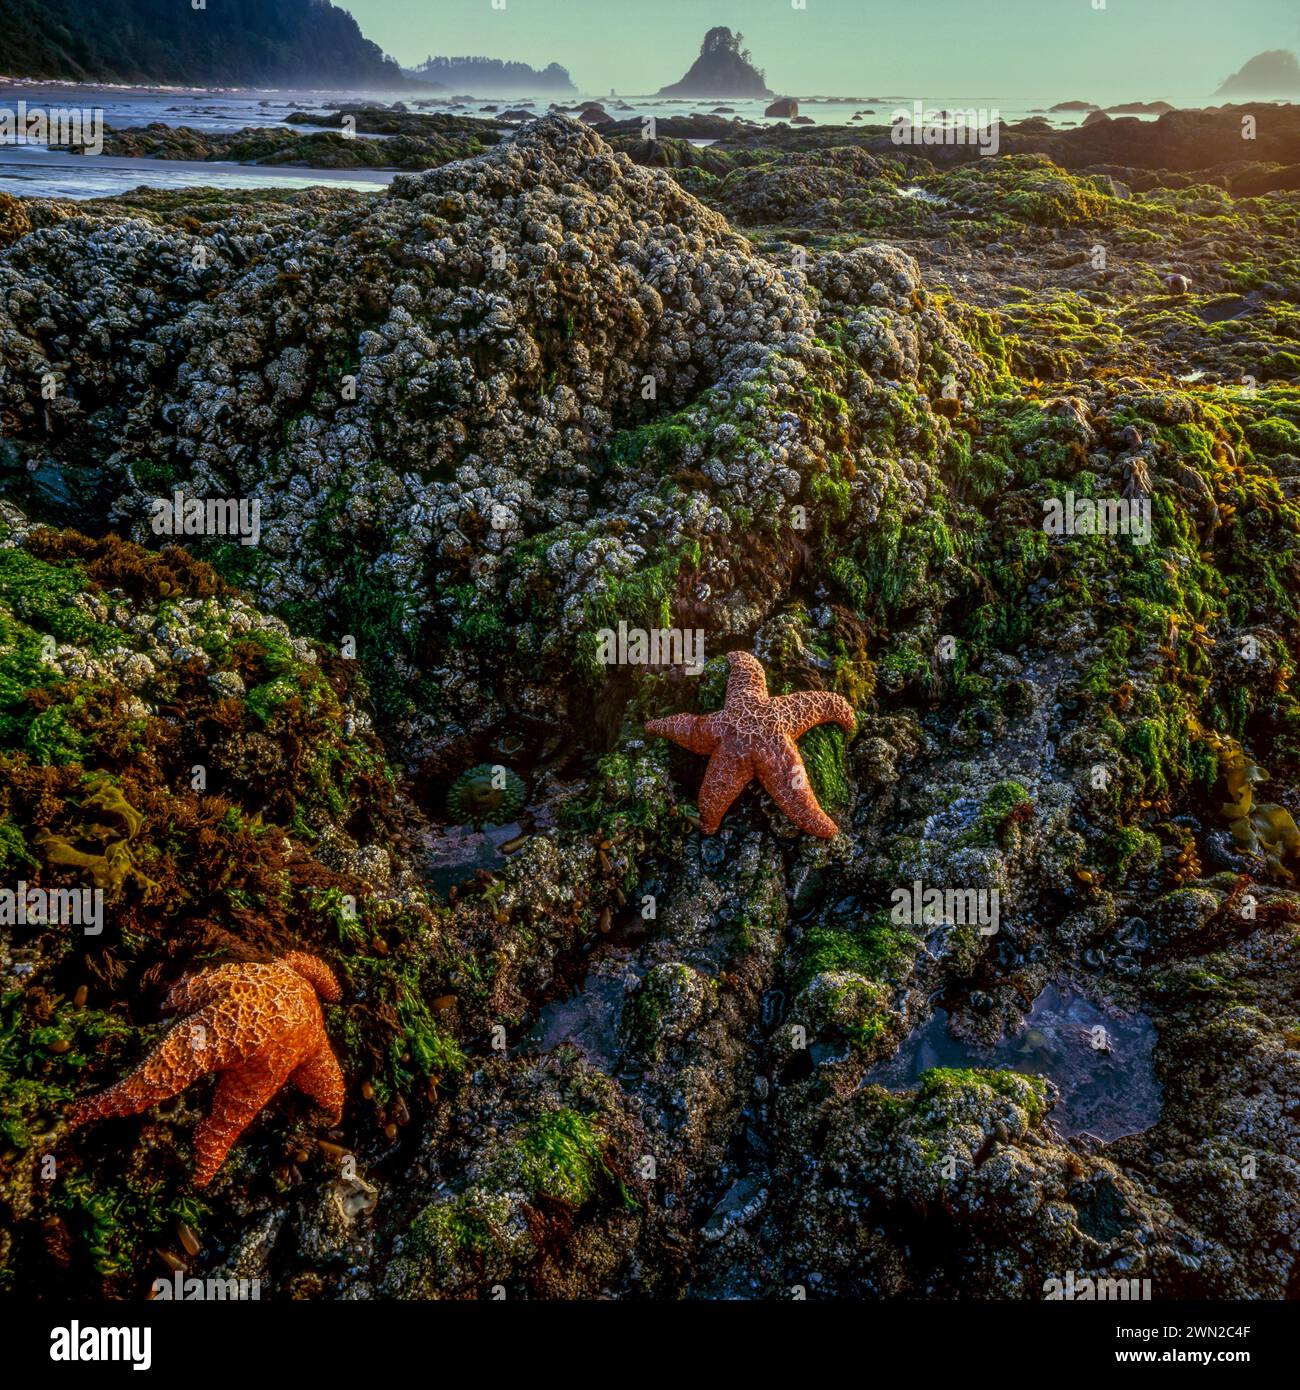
{"points": [[808, 392], [1214, 142], [434, 140]]}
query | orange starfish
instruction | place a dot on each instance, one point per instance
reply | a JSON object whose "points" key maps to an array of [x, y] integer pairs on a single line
{"points": [[753, 735], [260, 1026]]}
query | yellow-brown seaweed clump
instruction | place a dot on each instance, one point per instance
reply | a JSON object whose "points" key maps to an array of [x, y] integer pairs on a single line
{"points": [[115, 864], [1262, 828]]}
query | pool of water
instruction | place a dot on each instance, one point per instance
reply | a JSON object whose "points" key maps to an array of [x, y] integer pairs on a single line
{"points": [[590, 1019], [1102, 1062], [452, 855], [923, 195]]}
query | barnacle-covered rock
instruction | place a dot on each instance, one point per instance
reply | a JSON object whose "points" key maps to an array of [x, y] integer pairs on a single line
{"points": [[552, 332], [549, 393]]}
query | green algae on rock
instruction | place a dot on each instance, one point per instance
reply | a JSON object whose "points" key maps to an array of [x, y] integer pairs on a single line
{"points": [[766, 390]]}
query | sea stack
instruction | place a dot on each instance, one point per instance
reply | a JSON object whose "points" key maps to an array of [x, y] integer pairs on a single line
{"points": [[723, 69]]}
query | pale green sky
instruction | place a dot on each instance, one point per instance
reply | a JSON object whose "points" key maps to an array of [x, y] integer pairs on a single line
{"points": [[1054, 49]]}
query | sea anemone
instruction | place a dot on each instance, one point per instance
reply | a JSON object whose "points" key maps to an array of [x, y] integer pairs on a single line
{"points": [[489, 794]]}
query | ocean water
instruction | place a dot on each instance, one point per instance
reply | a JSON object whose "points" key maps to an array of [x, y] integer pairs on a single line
{"points": [[35, 172]]}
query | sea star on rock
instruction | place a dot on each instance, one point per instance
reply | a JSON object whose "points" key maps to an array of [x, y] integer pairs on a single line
{"points": [[259, 1025], [753, 735]]}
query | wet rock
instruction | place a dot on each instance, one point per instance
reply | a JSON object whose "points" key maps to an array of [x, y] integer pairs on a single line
{"points": [[1179, 917], [744, 1200]]}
